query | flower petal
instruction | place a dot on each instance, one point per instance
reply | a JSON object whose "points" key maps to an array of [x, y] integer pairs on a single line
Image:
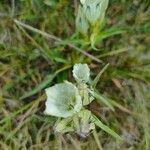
{"points": [[81, 73], [82, 1], [54, 110], [94, 9], [63, 100], [82, 24]]}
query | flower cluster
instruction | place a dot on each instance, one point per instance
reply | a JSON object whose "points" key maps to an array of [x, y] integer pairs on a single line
{"points": [[67, 101], [90, 12]]}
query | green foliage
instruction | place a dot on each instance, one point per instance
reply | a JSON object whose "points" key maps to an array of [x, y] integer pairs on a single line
{"points": [[39, 45], [66, 100]]}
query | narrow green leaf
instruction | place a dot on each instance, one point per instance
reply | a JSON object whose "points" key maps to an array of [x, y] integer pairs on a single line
{"points": [[112, 53], [111, 32], [102, 98], [21, 109], [108, 33], [105, 127], [50, 3], [97, 140], [95, 81], [43, 84]]}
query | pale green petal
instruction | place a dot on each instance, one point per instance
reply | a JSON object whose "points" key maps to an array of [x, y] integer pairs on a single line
{"points": [[81, 73], [82, 24], [64, 125], [92, 10], [95, 9], [55, 110], [63, 100], [82, 1], [104, 5]]}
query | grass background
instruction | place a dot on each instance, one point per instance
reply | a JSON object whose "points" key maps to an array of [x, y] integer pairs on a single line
{"points": [[31, 61]]}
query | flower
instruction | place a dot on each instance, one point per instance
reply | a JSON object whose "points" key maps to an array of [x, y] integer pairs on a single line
{"points": [[82, 24], [63, 100], [81, 73], [94, 9], [82, 1]]}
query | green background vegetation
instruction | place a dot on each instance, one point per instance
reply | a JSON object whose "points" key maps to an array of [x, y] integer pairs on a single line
{"points": [[31, 61]]}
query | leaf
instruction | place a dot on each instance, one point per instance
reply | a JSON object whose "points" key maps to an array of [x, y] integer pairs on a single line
{"points": [[41, 86], [112, 53], [105, 127], [95, 81], [108, 33], [44, 83], [50, 3], [96, 137], [102, 98]]}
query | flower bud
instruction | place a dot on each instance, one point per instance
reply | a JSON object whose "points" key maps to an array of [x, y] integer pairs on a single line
{"points": [[94, 9], [81, 73], [82, 24]]}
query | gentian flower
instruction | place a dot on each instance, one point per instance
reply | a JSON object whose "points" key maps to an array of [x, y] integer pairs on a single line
{"points": [[63, 100], [81, 73], [82, 24], [94, 9]]}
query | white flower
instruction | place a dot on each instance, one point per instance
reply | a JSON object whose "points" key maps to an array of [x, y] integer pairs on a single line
{"points": [[82, 24], [94, 9], [82, 1], [81, 73], [63, 100]]}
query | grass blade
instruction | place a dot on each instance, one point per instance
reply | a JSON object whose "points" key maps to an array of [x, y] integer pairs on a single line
{"points": [[103, 99], [105, 128], [111, 53], [95, 81], [43, 84], [56, 39]]}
